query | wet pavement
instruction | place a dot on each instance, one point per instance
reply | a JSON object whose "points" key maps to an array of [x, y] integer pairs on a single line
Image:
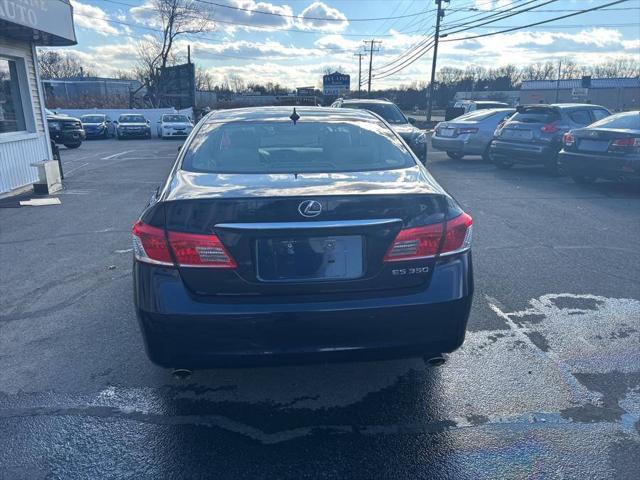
{"points": [[547, 384]]}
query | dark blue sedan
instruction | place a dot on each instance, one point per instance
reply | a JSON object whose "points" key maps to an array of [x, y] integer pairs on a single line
{"points": [[285, 236]]}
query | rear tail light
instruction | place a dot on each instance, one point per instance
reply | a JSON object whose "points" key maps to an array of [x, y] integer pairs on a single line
{"points": [[568, 139], [193, 250], [190, 250], [424, 242], [150, 244], [626, 142], [549, 128], [414, 243], [462, 131]]}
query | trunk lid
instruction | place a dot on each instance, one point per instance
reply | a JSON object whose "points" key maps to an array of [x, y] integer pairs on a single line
{"points": [[263, 226], [527, 125]]}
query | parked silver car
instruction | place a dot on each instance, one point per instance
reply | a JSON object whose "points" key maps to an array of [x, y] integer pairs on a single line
{"points": [[470, 134]]}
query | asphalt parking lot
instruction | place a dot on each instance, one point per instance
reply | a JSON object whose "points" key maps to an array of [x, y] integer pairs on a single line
{"points": [[546, 386]]}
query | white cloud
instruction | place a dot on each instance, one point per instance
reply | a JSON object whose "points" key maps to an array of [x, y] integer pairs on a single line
{"points": [[228, 19], [92, 18], [312, 15]]}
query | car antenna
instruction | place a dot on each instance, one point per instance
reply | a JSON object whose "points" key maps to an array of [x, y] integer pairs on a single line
{"points": [[294, 116]]}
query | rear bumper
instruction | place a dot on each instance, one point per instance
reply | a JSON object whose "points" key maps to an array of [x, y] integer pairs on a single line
{"points": [[521, 152], [597, 165], [181, 331], [467, 145]]}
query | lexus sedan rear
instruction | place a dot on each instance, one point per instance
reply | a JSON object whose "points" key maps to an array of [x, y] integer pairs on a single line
{"points": [[607, 149], [283, 236]]}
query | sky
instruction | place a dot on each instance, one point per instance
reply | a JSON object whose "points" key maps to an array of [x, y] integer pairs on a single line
{"points": [[294, 44]]}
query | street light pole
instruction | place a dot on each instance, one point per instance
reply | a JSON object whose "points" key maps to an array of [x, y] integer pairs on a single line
{"points": [[439, 15]]}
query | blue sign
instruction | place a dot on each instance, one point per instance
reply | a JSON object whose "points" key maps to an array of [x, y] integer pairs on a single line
{"points": [[335, 84]]}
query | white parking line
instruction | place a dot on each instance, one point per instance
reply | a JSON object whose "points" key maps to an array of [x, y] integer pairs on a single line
{"points": [[74, 169], [116, 155]]}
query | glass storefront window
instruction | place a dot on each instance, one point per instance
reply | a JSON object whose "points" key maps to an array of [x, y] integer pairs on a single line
{"points": [[11, 114]]}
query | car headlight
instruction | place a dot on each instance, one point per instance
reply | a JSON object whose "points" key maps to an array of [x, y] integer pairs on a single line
{"points": [[55, 125], [420, 139]]}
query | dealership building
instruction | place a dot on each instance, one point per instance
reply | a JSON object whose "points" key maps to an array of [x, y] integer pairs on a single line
{"points": [[24, 138]]}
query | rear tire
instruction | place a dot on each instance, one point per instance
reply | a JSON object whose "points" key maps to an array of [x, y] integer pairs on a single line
{"points": [[486, 155], [584, 179], [105, 135], [551, 166], [455, 155], [73, 145], [501, 163]]}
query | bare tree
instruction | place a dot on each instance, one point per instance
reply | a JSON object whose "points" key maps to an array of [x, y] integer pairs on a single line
{"points": [[53, 64], [176, 18], [235, 82], [204, 80]]}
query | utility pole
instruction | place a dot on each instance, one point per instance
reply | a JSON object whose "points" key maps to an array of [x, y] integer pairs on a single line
{"points": [[439, 16], [359, 55], [558, 82], [371, 44]]}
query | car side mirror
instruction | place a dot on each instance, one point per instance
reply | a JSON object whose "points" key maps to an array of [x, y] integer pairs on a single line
{"points": [[412, 120], [148, 122]]}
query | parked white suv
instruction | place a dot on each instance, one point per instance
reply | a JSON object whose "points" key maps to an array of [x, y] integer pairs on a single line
{"points": [[174, 125]]}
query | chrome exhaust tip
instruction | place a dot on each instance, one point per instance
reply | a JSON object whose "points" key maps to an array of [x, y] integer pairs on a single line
{"points": [[181, 373], [436, 361]]}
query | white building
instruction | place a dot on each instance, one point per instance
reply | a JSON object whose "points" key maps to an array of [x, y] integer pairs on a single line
{"points": [[24, 137]]}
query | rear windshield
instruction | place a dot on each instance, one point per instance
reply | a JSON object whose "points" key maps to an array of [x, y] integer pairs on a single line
{"points": [[175, 118], [132, 119], [92, 118], [389, 111], [628, 120], [535, 115], [477, 115], [282, 147]]}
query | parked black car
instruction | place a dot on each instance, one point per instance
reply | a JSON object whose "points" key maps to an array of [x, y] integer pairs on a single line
{"points": [[65, 130], [533, 135], [98, 125], [607, 149], [132, 125], [314, 234], [403, 126]]}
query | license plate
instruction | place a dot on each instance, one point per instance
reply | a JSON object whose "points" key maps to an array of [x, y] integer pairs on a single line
{"points": [[593, 145], [310, 258], [447, 132], [517, 134]]}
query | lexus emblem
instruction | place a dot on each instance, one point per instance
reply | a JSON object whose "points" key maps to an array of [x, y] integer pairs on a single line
{"points": [[310, 208]]}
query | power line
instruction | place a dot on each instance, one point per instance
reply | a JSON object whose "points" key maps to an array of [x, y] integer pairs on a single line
{"points": [[510, 13], [580, 12], [300, 17], [534, 24], [259, 26]]}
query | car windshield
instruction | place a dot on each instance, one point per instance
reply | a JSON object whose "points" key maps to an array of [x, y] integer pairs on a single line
{"points": [[175, 118], [92, 118], [628, 120], [132, 119], [390, 112], [284, 147]]}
